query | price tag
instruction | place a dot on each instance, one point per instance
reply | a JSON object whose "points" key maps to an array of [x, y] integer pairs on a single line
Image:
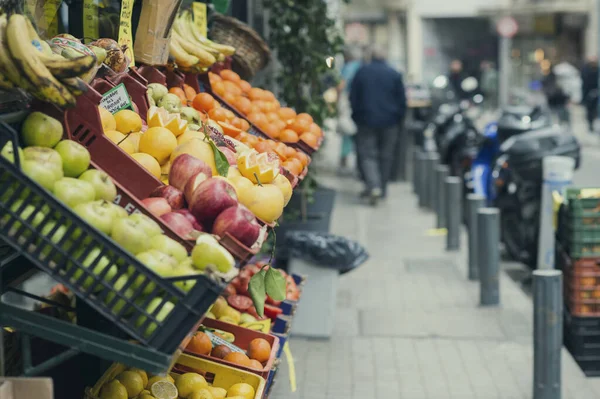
{"points": [[199, 12], [125, 34], [90, 21], [116, 99], [51, 17]]}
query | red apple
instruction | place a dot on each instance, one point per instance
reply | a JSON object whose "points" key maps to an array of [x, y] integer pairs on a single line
{"points": [[178, 223], [158, 206], [192, 183], [191, 218], [184, 167], [230, 155], [173, 196], [210, 198], [239, 222]]}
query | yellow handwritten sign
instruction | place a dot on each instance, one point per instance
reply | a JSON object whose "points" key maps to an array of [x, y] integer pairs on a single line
{"points": [[90, 21], [125, 34], [199, 12], [51, 17]]}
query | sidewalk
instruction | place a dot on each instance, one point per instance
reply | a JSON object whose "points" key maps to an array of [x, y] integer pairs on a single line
{"points": [[408, 323]]}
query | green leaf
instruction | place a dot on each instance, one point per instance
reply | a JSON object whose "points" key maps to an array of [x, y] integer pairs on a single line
{"points": [[221, 161], [258, 292], [275, 284]]}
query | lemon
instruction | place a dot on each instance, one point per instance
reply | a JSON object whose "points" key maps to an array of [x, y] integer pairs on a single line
{"points": [[158, 142], [148, 162], [164, 390], [209, 315], [203, 393], [189, 382], [142, 374], [241, 389], [157, 378], [219, 306], [232, 314], [132, 381], [285, 186], [134, 139], [113, 390], [128, 121], [107, 119], [189, 135], [218, 393], [121, 140]]}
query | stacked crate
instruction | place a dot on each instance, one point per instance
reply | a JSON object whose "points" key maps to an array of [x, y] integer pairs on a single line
{"points": [[578, 255]]}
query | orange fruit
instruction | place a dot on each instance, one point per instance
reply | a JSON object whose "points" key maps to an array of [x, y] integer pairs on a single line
{"points": [[269, 106], [245, 125], [255, 364], [315, 129], [286, 114], [272, 116], [280, 150], [218, 114], [302, 157], [310, 139], [262, 146], [200, 344], [203, 102], [231, 87], [280, 124], [237, 358], [158, 142], [271, 143], [178, 91], [237, 122], [299, 125], [294, 166], [271, 130], [189, 91], [288, 136], [242, 136], [306, 117], [242, 104], [218, 88], [228, 74], [245, 86], [229, 130], [251, 140], [290, 152], [255, 94], [259, 349], [257, 118], [229, 114], [220, 351], [213, 77], [268, 95], [229, 97]]}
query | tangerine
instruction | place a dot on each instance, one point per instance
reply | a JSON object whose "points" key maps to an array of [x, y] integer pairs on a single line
{"points": [[229, 97], [268, 95], [262, 146], [200, 344], [237, 122], [245, 86], [288, 136], [242, 104], [255, 94], [231, 87], [220, 351], [310, 139], [286, 114], [272, 116], [218, 115], [302, 157], [237, 358], [203, 102], [315, 129], [254, 108], [178, 91], [259, 349], [306, 117], [271, 130], [280, 124], [272, 144], [218, 88], [280, 150], [257, 118], [229, 114], [245, 125], [190, 93], [251, 140], [229, 130], [294, 166], [269, 106], [290, 152], [299, 125], [228, 74], [214, 77]]}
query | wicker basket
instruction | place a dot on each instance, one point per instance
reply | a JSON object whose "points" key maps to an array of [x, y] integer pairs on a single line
{"points": [[252, 53]]}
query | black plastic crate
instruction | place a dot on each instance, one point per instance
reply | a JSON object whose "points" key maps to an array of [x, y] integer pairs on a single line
{"points": [[590, 365], [60, 243]]}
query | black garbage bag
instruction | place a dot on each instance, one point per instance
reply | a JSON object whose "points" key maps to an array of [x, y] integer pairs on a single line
{"points": [[326, 250]]}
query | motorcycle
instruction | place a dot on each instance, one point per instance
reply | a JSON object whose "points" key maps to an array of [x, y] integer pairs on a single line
{"points": [[517, 179]]}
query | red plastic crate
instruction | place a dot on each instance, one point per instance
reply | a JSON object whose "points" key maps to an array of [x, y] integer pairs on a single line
{"points": [[583, 307], [152, 75], [243, 337]]}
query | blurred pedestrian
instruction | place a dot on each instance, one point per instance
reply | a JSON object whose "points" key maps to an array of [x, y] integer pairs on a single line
{"points": [[378, 107], [455, 78], [589, 90], [346, 126], [558, 99], [489, 84]]}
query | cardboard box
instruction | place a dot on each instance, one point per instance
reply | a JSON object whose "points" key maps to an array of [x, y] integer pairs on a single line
{"points": [[151, 44], [26, 388]]}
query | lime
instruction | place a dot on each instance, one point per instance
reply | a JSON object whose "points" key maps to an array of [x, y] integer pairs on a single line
{"points": [[164, 390]]}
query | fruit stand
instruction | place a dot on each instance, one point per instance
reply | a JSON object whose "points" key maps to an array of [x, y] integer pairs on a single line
{"points": [[142, 175]]}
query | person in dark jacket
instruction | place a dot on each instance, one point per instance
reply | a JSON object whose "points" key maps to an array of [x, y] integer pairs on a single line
{"points": [[455, 78], [589, 90], [378, 105], [558, 99]]}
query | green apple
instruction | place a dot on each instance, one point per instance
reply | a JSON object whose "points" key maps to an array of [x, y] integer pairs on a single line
{"points": [[168, 246], [191, 115], [8, 153], [103, 184], [208, 252], [75, 157], [128, 293], [73, 191], [40, 173], [159, 263], [100, 264], [48, 157], [185, 269], [130, 235], [41, 130], [118, 211], [24, 214], [146, 223], [96, 215], [160, 316], [55, 238]]}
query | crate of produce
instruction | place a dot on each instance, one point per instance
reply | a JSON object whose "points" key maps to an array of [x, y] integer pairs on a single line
{"points": [[590, 365], [242, 339], [579, 222], [43, 230]]}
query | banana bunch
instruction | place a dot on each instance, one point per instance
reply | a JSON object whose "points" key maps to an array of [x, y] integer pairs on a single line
{"points": [[27, 62], [192, 51]]}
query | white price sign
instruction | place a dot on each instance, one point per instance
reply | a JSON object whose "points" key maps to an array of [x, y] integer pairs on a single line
{"points": [[116, 99]]}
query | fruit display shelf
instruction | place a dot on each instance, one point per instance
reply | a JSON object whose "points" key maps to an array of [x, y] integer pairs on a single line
{"points": [[72, 252]]}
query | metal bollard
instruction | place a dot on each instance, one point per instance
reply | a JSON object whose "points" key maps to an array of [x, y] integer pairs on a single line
{"points": [[488, 256], [474, 203], [432, 161], [441, 173], [547, 333], [415, 170], [422, 182], [453, 212]]}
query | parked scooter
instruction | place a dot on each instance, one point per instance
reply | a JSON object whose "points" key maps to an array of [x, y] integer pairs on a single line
{"points": [[517, 184]]}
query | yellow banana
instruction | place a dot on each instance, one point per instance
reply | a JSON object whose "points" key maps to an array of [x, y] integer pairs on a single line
{"points": [[181, 57], [25, 57], [184, 30], [75, 85], [205, 58], [7, 65], [193, 29]]}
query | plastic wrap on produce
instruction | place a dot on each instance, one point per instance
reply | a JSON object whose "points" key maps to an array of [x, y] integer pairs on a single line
{"points": [[326, 250]]}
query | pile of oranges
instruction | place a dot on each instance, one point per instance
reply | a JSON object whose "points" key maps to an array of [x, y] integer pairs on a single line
{"points": [[186, 95], [262, 109]]}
